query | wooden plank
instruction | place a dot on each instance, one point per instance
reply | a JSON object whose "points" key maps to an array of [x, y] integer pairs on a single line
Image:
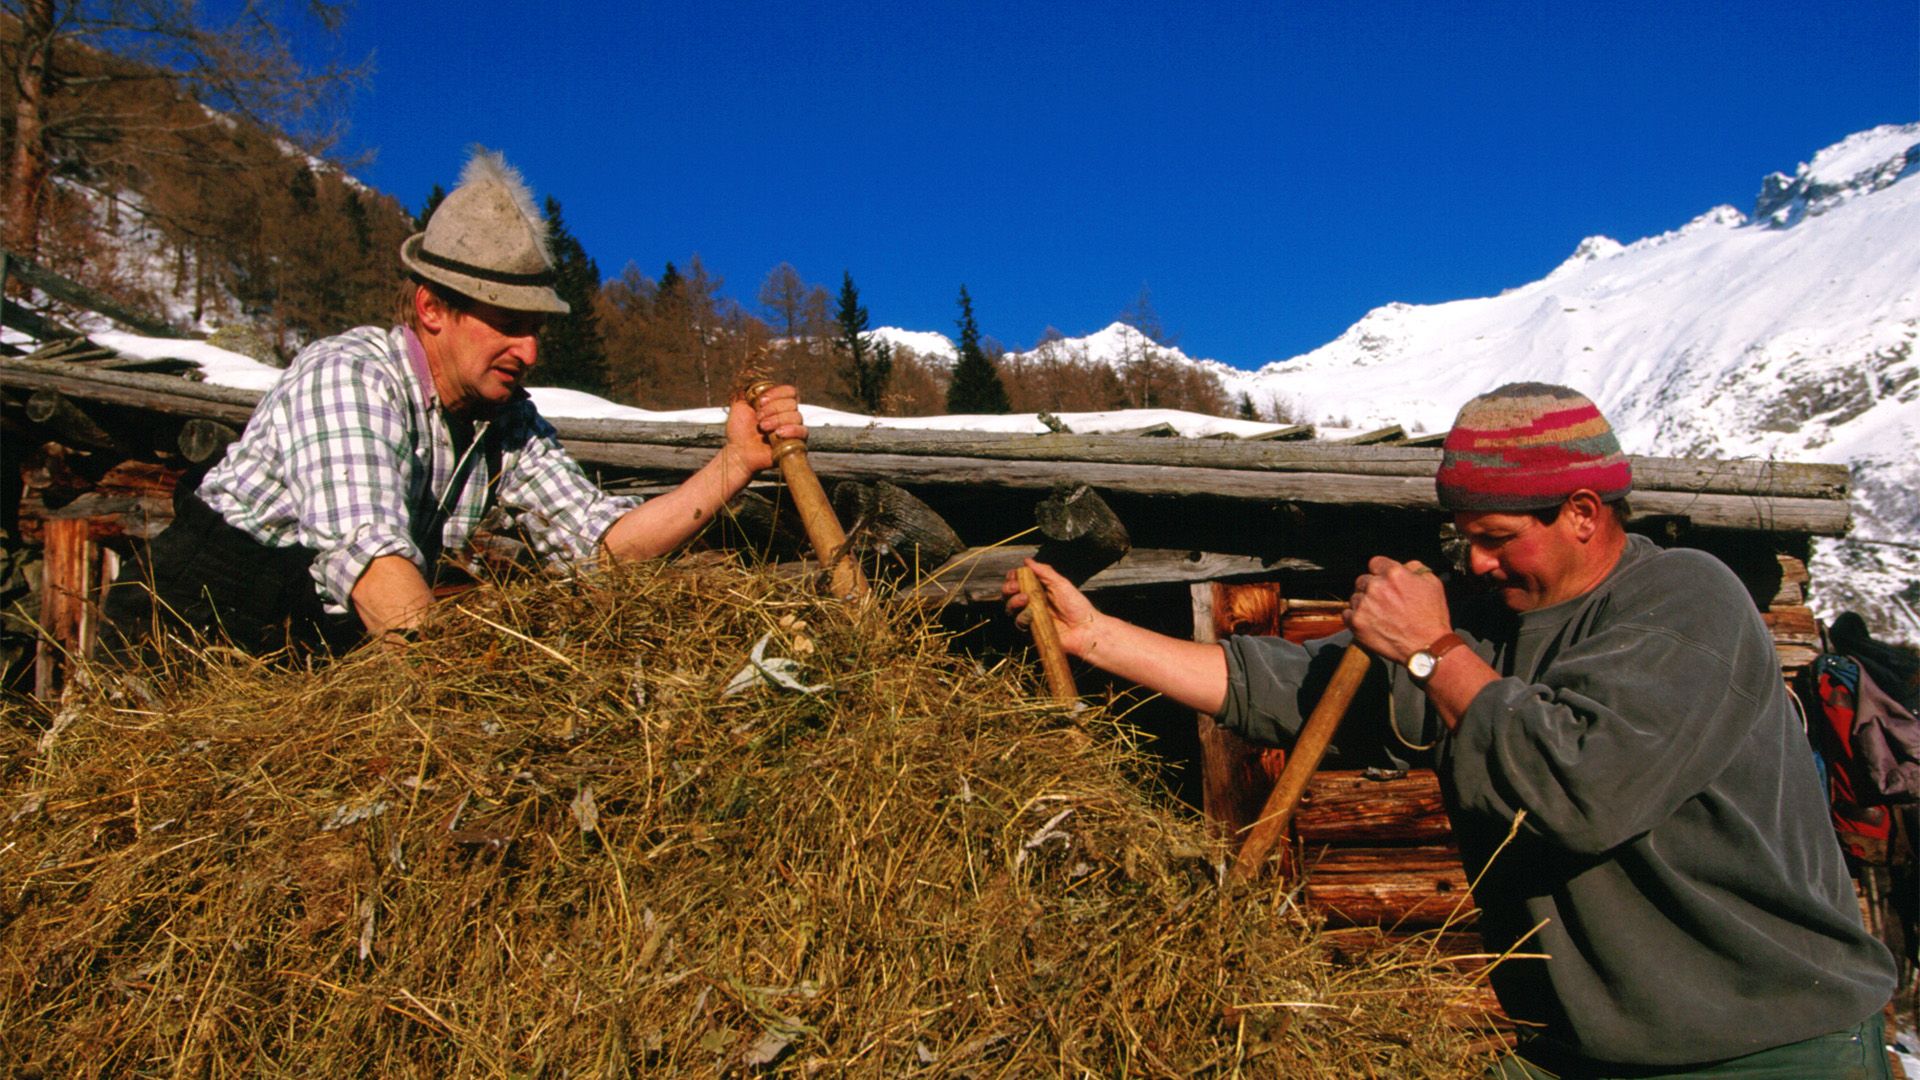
{"points": [[1290, 433], [167, 394], [69, 557], [1794, 657], [1343, 806], [1162, 430], [1793, 582], [1406, 887], [1792, 626], [1768, 496], [598, 441], [1816, 516], [1764, 478], [974, 575], [1392, 433]]}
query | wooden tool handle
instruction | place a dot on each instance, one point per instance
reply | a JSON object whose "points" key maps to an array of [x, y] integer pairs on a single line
{"points": [[1301, 761], [816, 513], [1046, 638]]}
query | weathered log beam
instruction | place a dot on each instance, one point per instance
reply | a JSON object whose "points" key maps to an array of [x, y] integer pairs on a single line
{"points": [[201, 440], [1817, 516], [974, 576], [1404, 887], [38, 327], [1759, 495], [69, 423], [892, 531], [1764, 478], [1345, 807], [166, 394], [1392, 433]]}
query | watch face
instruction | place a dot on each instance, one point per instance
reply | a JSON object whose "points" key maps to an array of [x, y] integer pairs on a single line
{"points": [[1420, 664]]}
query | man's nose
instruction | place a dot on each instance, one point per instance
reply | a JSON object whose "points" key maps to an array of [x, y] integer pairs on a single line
{"points": [[1481, 561]]}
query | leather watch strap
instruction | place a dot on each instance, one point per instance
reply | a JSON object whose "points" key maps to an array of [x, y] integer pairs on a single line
{"points": [[1443, 645]]}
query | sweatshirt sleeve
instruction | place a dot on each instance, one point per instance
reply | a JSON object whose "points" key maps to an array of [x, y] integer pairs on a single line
{"points": [[1273, 685], [1627, 721]]}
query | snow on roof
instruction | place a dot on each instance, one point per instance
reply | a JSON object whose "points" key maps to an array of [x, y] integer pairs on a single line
{"points": [[223, 368]]}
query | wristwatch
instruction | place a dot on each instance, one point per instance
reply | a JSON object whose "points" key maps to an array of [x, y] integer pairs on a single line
{"points": [[1421, 664]]}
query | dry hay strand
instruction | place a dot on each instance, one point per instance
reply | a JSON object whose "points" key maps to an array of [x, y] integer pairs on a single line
{"points": [[542, 842]]}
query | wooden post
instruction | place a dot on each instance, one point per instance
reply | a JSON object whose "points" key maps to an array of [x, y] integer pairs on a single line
{"points": [[73, 575], [1235, 775]]}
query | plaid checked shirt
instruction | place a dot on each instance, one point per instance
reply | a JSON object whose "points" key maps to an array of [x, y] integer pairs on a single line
{"points": [[349, 454]]}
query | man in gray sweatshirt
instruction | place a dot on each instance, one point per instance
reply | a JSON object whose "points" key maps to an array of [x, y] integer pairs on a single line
{"points": [[1619, 723]]}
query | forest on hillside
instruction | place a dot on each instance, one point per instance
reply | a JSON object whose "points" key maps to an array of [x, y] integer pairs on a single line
{"points": [[182, 167]]}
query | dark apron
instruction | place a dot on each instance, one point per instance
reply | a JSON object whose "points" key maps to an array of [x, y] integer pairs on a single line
{"points": [[203, 578]]}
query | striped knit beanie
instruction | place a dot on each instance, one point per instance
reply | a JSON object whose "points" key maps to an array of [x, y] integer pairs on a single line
{"points": [[1527, 446]]}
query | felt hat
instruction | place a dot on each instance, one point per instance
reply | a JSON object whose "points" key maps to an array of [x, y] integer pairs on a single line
{"points": [[1527, 446], [486, 241]]}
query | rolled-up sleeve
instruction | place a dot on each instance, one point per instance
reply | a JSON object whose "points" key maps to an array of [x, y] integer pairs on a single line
{"points": [[346, 470], [563, 513]]}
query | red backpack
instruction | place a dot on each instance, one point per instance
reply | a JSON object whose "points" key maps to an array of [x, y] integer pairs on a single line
{"points": [[1868, 746]]}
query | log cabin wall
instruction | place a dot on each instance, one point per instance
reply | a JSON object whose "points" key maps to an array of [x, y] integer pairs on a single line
{"points": [[1229, 536]]}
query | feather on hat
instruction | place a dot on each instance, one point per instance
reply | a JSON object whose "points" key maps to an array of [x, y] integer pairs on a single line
{"points": [[487, 240]]}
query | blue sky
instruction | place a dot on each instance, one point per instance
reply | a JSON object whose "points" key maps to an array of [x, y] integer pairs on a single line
{"points": [[1269, 172]]}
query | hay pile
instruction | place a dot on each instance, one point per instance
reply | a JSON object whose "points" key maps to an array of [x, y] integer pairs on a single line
{"points": [[541, 842]]}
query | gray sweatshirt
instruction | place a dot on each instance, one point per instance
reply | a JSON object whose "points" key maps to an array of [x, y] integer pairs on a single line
{"points": [[1675, 848]]}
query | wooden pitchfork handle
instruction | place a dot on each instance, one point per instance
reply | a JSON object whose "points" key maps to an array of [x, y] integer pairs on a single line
{"points": [[829, 541], [1304, 758], [1046, 638]]}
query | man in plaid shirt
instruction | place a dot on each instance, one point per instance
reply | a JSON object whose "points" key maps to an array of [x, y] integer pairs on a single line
{"points": [[380, 449]]}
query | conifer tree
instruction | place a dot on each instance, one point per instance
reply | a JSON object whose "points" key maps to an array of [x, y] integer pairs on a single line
{"points": [[572, 352], [1246, 409], [976, 386], [864, 365], [434, 198]]}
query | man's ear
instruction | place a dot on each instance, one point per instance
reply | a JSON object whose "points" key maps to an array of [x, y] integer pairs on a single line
{"points": [[428, 312], [1582, 511]]}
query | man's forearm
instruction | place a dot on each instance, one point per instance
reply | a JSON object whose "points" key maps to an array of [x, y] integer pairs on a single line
{"points": [[1190, 672], [390, 595], [664, 522]]}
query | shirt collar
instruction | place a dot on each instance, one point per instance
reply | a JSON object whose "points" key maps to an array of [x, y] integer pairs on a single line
{"points": [[417, 353]]}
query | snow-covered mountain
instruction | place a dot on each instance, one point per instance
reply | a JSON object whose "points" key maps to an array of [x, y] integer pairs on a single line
{"points": [[1787, 335], [1111, 345], [927, 344]]}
